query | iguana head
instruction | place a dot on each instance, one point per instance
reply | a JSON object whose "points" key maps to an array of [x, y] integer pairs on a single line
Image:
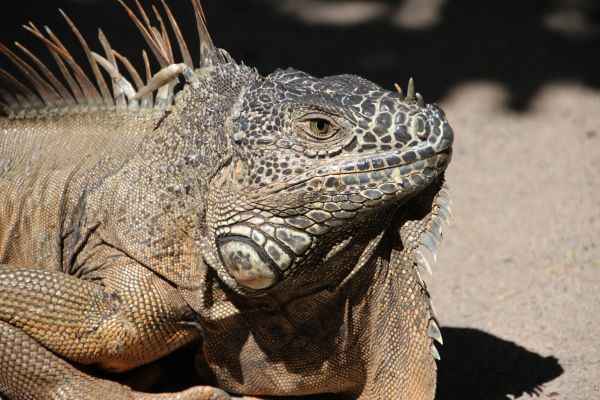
{"points": [[315, 159]]}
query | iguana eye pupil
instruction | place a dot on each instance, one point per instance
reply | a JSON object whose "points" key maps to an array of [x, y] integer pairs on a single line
{"points": [[320, 126]]}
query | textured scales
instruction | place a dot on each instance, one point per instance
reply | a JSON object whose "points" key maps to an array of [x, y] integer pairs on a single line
{"points": [[282, 220]]}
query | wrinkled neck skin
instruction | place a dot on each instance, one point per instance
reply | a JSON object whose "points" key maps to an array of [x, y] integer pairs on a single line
{"points": [[324, 328]]}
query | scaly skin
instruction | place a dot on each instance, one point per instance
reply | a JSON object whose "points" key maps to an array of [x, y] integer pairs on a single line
{"points": [[276, 218]]}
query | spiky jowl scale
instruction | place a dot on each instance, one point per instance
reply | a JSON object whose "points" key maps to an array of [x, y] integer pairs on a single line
{"points": [[278, 219]]}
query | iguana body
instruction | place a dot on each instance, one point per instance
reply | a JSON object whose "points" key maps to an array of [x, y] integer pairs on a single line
{"points": [[277, 219]]}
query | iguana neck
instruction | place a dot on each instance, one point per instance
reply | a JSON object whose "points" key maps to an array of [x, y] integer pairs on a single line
{"points": [[191, 142]]}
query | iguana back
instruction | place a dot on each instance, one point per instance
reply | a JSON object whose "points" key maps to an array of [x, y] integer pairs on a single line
{"points": [[46, 166]]}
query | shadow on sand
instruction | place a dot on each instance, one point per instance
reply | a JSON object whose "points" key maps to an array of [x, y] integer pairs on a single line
{"points": [[478, 366]]}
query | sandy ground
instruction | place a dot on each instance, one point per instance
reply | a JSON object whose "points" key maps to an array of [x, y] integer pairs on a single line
{"points": [[518, 276], [517, 283]]}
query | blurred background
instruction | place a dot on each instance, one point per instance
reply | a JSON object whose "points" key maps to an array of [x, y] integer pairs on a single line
{"points": [[517, 283], [520, 45]]}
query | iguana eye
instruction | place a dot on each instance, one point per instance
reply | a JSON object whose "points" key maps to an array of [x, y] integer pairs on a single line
{"points": [[321, 129]]}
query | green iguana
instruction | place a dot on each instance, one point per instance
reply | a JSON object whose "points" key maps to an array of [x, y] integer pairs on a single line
{"points": [[278, 219]]}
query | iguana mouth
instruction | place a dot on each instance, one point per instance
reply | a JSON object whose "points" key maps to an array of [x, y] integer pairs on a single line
{"points": [[390, 173]]}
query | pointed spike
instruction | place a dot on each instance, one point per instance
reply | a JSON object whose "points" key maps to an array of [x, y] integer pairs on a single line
{"points": [[434, 352], [445, 217], [147, 69], [9, 99], [410, 91], [164, 36], [160, 42], [46, 91], [444, 206], [399, 90], [420, 279], [147, 101], [117, 87], [123, 84], [429, 242], [445, 196], [137, 80], [436, 220], [434, 331], [208, 53], [73, 85], [436, 232], [155, 34], [183, 49], [24, 104], [91, 94], [432, 307], [62, 92], [435, 224], [76, 90], [28, 95], [143, 14], [225, 56], [449, 211], [420, 101], [106, 95], [148, 37], [421, 261], [444, 193]]}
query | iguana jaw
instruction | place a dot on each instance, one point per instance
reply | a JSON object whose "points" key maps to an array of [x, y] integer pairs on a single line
{"points": [[399, 171], [259, 251]]}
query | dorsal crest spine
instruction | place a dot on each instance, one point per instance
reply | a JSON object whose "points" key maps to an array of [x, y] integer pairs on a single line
{"points": [[44, 93]]}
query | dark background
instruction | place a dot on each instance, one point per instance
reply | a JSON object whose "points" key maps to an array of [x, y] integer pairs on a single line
{"points": [[521, 44]]}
